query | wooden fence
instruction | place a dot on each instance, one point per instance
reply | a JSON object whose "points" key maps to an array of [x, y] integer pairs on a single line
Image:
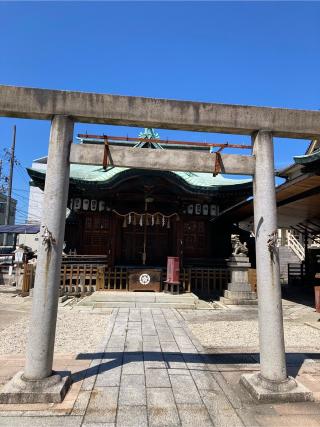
{"points": [[83, 279]]}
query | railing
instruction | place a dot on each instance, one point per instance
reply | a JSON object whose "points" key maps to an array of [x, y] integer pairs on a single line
{"points": [[205, 281], [296, 246], [83, 279], [116, 279]]}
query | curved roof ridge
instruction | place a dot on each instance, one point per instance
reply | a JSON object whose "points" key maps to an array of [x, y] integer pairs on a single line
{"points": [[307, 158]]}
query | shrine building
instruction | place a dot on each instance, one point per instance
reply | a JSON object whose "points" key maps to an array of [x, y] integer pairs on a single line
{"points": [[133, 219]]}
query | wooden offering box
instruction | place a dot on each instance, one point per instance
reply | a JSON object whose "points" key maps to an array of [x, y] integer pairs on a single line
{"points": [[145, 280]]}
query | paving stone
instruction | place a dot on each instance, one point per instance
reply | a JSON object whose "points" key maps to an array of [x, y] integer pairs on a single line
{"points": [[110, 377], [40, 421], [184, 389], [175, 361], [157, 378], [153, 355], [132, 416], [88, 382], [81, 403], [115, 341], [11, 414], [169, 347], [179, 372], [133, 395], [194, 415], [165, 337], [184, 341], [133, 363], [188, 350], [162, 410], [299, 408], [203, 380], [152, 339], [98, 425], [178, 331], [133, 345], [150, 347], [220, 409], [234, 397], [102, 407], [159, 364], [289, 421], [132, 380]]}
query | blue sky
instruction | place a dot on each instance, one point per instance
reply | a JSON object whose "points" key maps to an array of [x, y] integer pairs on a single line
{"points": [[254, 53]]}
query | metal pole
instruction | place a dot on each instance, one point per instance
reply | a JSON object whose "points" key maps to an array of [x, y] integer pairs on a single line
{"points": [[9, 191]]}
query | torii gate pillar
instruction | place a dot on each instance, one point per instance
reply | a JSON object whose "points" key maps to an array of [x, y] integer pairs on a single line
{"points": [[38, 383], [272, 382]]}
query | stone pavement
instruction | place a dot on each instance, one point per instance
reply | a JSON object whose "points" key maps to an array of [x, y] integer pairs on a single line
{"points": [[150, 371], [152, 374]]}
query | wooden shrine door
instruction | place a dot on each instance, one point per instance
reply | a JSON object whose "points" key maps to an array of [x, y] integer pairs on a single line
{"points": [[159, 244], [96, 236]]}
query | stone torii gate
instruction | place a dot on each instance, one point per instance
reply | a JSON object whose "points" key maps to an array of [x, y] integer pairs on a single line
{"points": [[37, 383]]}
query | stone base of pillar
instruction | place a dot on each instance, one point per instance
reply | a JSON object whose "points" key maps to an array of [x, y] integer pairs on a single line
{"points": [[49, 390], [239, 298], [271, 391]]}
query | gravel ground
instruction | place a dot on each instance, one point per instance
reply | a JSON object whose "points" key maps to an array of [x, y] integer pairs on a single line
{"points": [[245, 333], [13, 299], [76, 333]]}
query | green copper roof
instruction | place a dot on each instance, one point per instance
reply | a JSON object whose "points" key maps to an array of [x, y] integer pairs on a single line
{"points": [[96, 174], [307, 158]]}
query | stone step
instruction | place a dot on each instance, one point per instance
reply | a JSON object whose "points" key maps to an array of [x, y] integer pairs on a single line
{"points": [[136, 304], [138, 299], [228, 301]]}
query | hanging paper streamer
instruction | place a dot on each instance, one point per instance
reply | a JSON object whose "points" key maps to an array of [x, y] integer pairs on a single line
{"points": [[147, 219]]}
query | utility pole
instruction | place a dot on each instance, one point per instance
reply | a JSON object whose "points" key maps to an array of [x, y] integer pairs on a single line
{"points": [[1, 185], [9, 190]]}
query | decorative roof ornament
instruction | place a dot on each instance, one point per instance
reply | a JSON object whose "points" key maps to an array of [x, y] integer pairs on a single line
{"points": [[149, 133]]}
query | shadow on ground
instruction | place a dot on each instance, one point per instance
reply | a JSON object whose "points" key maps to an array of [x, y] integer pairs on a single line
{"points": [[106, 361]]}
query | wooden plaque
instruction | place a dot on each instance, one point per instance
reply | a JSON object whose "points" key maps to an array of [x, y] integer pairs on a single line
{"points": [[145, 280]]}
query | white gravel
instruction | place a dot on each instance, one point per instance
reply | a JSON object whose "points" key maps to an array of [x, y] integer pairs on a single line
{"points": [[245, 333], [77, 332], [9, 298]]}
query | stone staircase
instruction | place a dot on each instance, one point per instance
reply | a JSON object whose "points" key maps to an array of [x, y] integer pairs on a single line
{"points": [[114, 299], [287, 256]]}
